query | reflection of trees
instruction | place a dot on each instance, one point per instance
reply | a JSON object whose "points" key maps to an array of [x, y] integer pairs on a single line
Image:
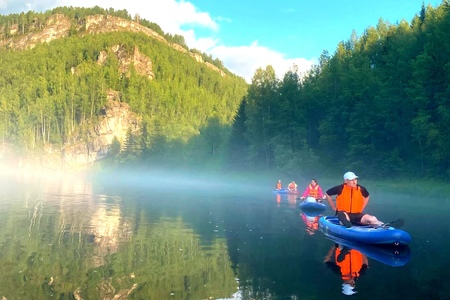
{"points": [[75, 245], [167, 260]]}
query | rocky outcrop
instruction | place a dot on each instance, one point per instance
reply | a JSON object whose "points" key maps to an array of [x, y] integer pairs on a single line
{"points": [[59, 26], [142, 64], [116, 121]]}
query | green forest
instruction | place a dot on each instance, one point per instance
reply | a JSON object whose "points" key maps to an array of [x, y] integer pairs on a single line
{"points": [[380, 103]]}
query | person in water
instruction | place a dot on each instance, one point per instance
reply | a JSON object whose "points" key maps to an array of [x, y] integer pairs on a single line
{"points": [[349, 263], [313, 190], [292, 186], [351, 200], [278, 186]]}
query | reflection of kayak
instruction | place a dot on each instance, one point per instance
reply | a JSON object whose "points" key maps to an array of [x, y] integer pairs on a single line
{"points": [[284, 191], [395, 256], [331, 227], [312, 208]]}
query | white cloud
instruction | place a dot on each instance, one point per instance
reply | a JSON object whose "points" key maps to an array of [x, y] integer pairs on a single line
{"points": [[182, 17], [244, 60], [170, 15]]}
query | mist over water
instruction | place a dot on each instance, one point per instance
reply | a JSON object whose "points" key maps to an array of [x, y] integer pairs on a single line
{"points": [[191, 235]]}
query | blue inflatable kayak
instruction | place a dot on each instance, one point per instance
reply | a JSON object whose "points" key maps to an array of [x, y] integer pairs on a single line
{"points": [[284, 191], [367, 234], [312, 208], [394, 256]]}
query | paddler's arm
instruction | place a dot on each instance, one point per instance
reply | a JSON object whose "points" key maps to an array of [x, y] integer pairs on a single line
{"points": [[329, 254], [366, 196], [366, 200], [330, 201], [365, 261]]}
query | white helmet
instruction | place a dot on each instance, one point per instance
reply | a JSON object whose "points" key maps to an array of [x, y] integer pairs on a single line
{"points": [[347, 289]]}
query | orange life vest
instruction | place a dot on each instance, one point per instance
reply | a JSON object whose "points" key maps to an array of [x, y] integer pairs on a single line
{"points": [[350, 200], [313, 191], [351, 265], [292, 186], [279, 186]]}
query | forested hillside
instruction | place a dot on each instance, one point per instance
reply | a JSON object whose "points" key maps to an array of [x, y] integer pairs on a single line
{"points": [[379, 104], [53, 92]]}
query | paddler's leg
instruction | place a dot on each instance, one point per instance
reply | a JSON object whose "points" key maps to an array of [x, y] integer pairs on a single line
{"points": [[344, 219]]}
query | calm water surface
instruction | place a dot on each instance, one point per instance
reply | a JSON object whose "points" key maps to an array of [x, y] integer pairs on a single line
{"points": [[116, 239]]}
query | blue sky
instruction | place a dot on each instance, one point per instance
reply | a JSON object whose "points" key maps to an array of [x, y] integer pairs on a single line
{"points": [[246, 34]]}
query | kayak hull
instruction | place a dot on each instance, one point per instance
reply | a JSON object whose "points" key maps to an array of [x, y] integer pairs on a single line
{"points": [[286, 192], [367, 234], [312, 209]]}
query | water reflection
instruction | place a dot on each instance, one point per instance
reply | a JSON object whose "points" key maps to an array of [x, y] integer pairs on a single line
{"points": [[350, 264], [351, 259], [310, 212], [292, 200], [108, 229], [311, 222], [289, 199], [60, 239], [96, 240], [391, 255]]}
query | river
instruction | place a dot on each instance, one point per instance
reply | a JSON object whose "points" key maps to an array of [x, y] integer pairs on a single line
{"points": [[164, 237]]}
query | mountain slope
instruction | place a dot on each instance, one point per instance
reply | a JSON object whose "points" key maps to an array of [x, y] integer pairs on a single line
{"points": [[54, 84]]}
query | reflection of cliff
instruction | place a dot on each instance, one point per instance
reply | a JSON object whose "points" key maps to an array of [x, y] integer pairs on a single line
{"points": [[62, 239], [96, 217], [108, 230]]}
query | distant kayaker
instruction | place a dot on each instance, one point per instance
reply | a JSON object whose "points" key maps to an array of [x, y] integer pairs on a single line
{"points": [[279, 186], [351, 201], [292, 186], [313, 190]]}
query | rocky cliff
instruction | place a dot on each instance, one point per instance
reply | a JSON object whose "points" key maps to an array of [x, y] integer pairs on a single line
{"points": [[116, 119], [59, 26]]}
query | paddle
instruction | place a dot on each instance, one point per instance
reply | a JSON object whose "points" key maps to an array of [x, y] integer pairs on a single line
{"points": [[396, 224]]}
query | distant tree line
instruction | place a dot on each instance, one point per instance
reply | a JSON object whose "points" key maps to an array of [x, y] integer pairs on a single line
{"points": [[379, 104]]}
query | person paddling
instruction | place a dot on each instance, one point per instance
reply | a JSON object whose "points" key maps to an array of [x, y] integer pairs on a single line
{"points": [[351, 201], [313, 190], [278, 186], [292, 186]]}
